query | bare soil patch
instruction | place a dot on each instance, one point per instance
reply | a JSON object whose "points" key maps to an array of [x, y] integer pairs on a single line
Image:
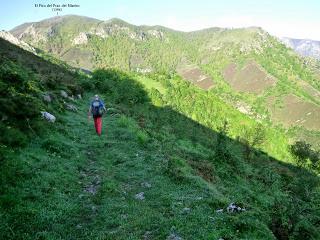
{"points": [[194, 74], [297, 111], [251, 78]]}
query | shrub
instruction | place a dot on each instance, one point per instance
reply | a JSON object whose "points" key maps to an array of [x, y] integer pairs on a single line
{"points": [[304, 155], [252, 138], [20, 103]]}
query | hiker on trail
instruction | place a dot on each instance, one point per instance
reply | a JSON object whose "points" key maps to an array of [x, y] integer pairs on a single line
{"points": [[97, 109]]}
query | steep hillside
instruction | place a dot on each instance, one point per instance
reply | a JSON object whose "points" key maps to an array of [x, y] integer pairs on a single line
{"points": [[248, 68], [29, 85], [155, 173]]}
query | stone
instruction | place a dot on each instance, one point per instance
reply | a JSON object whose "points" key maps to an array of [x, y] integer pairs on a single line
{"points": [[174, 236], [48, 116], [71, 107], [63, 94], [92, 189], [71, 98], [139, 196], [186, 210], [147, 235], [146, 185], [219, 210], [46, 97], [234, 208]]}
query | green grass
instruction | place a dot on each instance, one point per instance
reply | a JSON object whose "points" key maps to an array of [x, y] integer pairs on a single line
{"points": [[44, 185], [150, 83], [48, 201], [186, 149]]}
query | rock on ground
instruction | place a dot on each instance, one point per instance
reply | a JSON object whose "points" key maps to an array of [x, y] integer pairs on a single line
{"points": [[46, 97], [63, 94], [71, 107], [139, 196], [174, 236], [48, 116]]}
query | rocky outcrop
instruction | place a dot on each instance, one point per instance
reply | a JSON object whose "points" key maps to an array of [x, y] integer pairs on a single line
{"points": [[156, 33], [9, 37], [80, 39], [100, 32], [110, 28], [33, 34]]}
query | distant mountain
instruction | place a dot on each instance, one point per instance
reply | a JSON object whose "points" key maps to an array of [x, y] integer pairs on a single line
{"points": [[305, 47], [246, 67]]}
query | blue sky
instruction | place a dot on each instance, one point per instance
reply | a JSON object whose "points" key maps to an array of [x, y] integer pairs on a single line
{"points": [[295, 18]]}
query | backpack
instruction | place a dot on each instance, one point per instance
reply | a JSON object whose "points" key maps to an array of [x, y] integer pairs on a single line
{"points": [[97, 108]]}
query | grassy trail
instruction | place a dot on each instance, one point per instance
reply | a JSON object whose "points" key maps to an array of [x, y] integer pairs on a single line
{"points": [[114, 169], [127, 184], [76, 185]]}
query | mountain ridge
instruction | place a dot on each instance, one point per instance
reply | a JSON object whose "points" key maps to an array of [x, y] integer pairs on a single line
{"points": [[119, 20]]}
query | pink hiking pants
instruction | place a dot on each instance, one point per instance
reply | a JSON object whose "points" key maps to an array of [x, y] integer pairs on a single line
{"points": [[98, 124]]}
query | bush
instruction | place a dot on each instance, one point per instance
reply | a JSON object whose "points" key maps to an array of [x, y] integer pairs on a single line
{"points": [[252, 138], [20, 103], [304, 155]]}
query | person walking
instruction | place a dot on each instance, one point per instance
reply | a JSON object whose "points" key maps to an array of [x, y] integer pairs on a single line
{"points": [[96, 109]]}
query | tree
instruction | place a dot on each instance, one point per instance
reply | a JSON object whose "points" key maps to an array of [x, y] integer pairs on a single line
{"points": [[304, 154], [252, 138]]}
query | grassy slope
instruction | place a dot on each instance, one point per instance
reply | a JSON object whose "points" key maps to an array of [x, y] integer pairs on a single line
{"points": [[44, 193], [50, 202]]}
